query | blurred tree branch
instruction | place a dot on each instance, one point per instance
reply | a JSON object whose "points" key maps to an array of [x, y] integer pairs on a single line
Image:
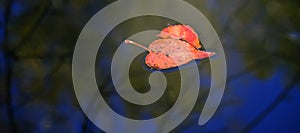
{"points": [[9, 71], [262, 115], [84, 125], [42, 14], [9, 58]]}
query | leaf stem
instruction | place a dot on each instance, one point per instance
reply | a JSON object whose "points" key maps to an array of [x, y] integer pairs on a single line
{"points": [[137, 44]]}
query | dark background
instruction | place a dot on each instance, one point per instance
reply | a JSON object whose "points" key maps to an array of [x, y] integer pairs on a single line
{"points": [[261, 40]]}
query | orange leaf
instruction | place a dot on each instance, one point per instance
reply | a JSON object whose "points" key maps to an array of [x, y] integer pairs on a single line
{"points": [[183, 32]]}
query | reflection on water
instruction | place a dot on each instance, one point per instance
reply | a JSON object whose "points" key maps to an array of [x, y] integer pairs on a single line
{"points": [[260, 39]]}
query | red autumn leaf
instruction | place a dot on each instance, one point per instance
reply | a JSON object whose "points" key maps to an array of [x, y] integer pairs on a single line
{"points": [[169, 53], [183, 32], [179, 46]]}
